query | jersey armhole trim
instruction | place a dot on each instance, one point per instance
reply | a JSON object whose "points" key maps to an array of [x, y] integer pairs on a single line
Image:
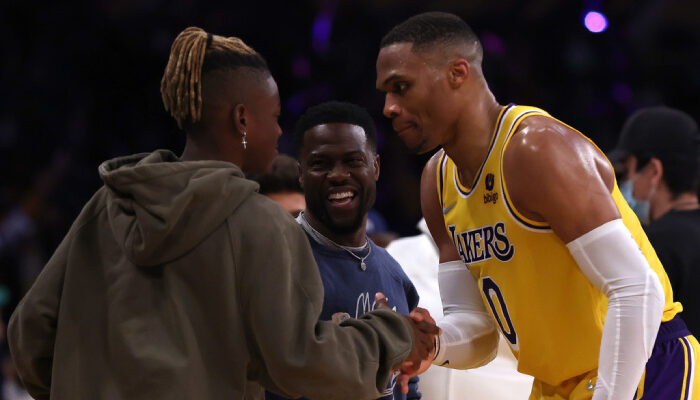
{"points": [[441, 178], [525, 222]]}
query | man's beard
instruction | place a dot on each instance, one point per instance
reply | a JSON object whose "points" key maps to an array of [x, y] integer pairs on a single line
{"points": [[342, 228], [321, 213]]}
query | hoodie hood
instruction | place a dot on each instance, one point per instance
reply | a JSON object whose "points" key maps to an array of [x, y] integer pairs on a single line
{"points": [[159, 207]]}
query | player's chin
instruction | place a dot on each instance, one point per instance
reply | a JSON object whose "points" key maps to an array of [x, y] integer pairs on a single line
{"points": [[421, 147]]}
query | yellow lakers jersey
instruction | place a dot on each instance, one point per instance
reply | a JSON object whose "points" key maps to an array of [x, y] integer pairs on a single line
{"points": [[550, 314]]}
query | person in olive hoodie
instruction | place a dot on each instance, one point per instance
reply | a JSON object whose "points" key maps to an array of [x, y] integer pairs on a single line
{"points": [[179, 281]]}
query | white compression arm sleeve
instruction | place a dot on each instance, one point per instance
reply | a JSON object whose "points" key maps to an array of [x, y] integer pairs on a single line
{"points": [[612, 261], [469, 338]]}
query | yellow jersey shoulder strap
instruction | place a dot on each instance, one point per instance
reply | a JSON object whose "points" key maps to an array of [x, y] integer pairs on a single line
{"points": [[508, 120]]}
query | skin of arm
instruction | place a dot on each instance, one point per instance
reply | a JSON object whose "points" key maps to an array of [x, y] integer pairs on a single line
{"points": [[556, 175], [432, 212]]}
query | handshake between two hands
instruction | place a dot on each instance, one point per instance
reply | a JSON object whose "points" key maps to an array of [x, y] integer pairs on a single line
{"points": [[425, 332]]}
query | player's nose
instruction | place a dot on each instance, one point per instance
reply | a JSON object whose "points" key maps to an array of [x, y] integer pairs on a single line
{"points": [[391, 107]]}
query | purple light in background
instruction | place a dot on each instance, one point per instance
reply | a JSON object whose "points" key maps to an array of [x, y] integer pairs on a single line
{"points": [[296, 104], [493, 44], [321, 32], [595, 22], [301, 68], [622, 93]]}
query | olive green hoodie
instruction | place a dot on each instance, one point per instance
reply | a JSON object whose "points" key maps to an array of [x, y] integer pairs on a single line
{"points": [[179, 281]]}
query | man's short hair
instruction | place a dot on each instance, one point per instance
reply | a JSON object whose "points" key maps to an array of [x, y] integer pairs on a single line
{"points": [[336, 112], [432, 28]]}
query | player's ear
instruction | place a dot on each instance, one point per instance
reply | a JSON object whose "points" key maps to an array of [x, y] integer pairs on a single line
{"points": [[458, 73]]}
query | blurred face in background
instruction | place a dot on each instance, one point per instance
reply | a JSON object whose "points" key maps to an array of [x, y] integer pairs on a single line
{"points": [[292, 202], [639, 185]]}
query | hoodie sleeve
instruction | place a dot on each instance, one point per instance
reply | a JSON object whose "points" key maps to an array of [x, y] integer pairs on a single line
{"points": [[31, 332], [294, 354]]}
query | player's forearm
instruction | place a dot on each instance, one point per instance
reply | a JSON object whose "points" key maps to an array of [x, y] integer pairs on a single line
{"points": [[612, 261], [469, 338], [630, 328]]}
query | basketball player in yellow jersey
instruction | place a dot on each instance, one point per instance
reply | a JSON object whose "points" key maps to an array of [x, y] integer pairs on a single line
{"points": [[535, 239]]}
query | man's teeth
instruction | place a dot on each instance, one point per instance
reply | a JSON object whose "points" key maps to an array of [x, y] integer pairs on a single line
{"points": [[340, 196]]}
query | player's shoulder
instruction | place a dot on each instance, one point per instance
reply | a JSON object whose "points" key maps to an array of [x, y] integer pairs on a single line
{"points": [[546, 163], [429, 176], [540, 133], [432, 165], [542, 143]]}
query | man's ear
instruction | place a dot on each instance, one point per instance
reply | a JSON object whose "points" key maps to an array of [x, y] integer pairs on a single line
{"points": [[657, 170], [458, 73], [301, 177], [239, 114], [376, 167]]}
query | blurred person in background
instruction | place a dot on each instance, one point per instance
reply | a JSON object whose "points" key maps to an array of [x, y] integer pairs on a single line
{"points": [[179, 280], [657, 155], [281, 184]]}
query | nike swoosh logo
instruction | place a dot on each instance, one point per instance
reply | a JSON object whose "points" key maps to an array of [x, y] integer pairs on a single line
{"points": [[448, 208]]}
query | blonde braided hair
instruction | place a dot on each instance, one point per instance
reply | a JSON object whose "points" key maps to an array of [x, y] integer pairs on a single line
{"points": [[181, 86]]}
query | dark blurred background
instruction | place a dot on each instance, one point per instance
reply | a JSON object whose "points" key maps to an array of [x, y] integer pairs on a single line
{"points": [[80, 84]]}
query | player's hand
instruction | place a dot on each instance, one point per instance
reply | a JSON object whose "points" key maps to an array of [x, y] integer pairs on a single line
{"points": [[424, 330], [407, 369], [421, 314], [424, 333]]}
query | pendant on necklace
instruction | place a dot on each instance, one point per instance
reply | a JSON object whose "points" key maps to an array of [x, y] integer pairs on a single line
{"points": [[363, 266]]}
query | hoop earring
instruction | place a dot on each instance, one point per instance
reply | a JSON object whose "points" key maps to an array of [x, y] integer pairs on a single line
{"points": [[244, 141]]}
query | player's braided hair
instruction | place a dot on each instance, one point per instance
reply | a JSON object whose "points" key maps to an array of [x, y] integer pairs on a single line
{"points": [[192, 55]]}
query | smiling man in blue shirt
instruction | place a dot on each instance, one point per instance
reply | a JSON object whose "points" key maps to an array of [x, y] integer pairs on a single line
{"points": [[339, 169]]}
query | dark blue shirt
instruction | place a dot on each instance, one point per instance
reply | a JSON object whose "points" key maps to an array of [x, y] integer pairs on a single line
{"points": [[349, 289]]}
